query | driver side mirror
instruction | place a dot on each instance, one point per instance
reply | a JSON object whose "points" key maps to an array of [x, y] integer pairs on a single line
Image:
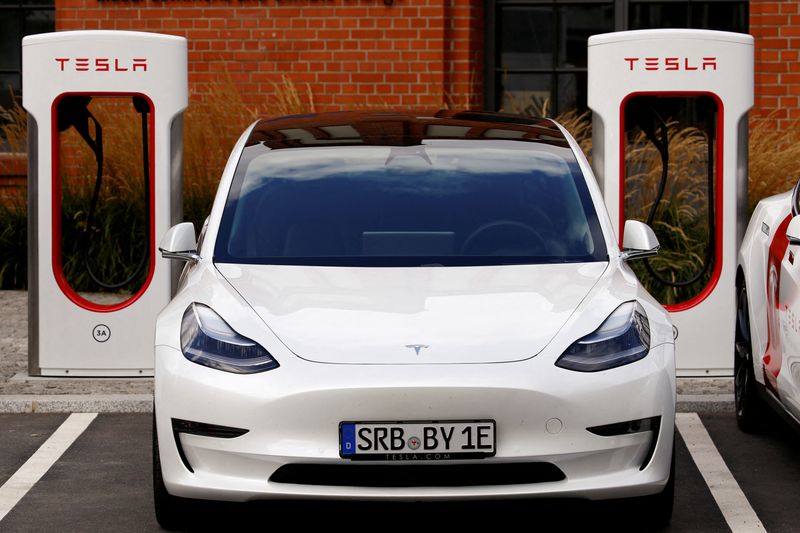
{"points": [[793, 231], [638, 241], [180, 243]]}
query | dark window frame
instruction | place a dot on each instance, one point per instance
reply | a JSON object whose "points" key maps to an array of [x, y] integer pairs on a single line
{"points": [[492, 70], [19, 8]]}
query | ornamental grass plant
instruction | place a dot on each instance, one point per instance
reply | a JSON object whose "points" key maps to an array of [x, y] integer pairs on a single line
{"points": [[212, 124], [774, 158], [13, 212], [13, 245], [680, 220]]}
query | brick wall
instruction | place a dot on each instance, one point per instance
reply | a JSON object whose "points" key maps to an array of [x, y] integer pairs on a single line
{"points": [[354, 53], [13, 178], [775, 24], [351, 53]]}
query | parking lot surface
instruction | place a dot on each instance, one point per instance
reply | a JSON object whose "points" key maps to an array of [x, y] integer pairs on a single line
{"points": [[102, 482]]}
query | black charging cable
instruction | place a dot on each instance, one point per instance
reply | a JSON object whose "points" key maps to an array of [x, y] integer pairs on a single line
{"points": [[74, 111], [662, 145]]}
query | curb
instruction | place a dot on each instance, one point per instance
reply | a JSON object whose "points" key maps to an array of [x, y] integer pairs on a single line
{"points": [[76, 403], [143, 403], [705, 403]]}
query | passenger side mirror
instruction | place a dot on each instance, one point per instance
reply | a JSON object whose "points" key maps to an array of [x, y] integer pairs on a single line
{"points": [[180, 243], [796, 199], [638, 241], [793, 231]]}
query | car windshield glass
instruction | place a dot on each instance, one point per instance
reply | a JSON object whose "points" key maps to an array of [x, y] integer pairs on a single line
{"points": [[444, 203]]}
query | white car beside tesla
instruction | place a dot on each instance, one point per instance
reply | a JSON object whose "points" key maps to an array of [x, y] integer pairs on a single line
{"points": [[767, 356], [389, 306]]}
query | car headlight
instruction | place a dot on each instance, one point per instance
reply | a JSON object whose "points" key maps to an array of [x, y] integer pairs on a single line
{"points": [[624, 337], [208, 340]]}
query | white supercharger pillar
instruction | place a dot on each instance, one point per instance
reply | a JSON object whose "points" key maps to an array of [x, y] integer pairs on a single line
{"points": [[654, 73], [64, 75]]}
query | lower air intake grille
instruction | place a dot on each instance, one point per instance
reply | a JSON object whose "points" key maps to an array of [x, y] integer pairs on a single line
{"points": [[417, 475]]}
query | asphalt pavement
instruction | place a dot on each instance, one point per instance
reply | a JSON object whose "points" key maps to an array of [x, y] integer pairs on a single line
{"points": [[102, 482]]}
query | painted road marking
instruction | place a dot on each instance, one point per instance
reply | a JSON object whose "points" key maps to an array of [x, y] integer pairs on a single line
{"points": [[40, 462], [732, 502]]}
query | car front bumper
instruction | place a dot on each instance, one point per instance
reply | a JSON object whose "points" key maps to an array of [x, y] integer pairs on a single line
{"points": [[292, 415]]}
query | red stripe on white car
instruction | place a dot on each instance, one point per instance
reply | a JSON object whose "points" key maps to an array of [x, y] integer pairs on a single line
{"points": [[773, 357]]}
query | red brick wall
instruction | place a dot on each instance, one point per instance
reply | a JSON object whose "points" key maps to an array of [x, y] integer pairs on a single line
{"points": [[351, 53], [355, 53], [13, 178], [775, 24]]}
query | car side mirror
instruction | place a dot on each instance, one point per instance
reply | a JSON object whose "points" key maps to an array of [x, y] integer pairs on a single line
{"points": [[638, 241], [180, 243], [793, 231]]}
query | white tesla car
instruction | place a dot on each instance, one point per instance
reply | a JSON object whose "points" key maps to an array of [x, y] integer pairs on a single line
{"points": [[767, 357], [388, 306]]}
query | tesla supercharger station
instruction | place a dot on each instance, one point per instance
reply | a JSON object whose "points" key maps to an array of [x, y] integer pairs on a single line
{"points": [[105, 123], [670, 149]]}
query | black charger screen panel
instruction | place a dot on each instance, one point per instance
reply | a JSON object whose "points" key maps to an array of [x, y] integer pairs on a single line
{"points": [[103, 203], [671, 181]]}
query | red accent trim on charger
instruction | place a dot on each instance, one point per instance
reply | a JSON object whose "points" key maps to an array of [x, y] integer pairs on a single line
{"points": [[58, 271], [718, 201]]}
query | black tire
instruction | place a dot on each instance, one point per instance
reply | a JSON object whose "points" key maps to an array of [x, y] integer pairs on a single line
{"points": [[171, 511], [750, 407], [656, 510]]}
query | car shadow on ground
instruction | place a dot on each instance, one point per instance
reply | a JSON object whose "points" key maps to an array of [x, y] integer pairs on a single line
{"points": [[531, 515]]}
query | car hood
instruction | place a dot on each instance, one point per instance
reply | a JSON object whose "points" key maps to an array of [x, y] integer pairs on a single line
{"points": [[420, 315]]}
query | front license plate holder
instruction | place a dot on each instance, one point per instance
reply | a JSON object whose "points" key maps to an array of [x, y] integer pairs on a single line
{"points": [[418, 440]]}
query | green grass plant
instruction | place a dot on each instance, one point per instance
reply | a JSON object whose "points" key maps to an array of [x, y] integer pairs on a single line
{"points": [[13, 245]]}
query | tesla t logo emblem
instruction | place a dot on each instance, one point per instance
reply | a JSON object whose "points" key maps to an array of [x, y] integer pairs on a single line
{"points": [[671, 63], [101, 64], [417, 347]]}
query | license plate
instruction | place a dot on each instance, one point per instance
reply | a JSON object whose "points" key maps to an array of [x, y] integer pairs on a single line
{"points": [[417, 441]]}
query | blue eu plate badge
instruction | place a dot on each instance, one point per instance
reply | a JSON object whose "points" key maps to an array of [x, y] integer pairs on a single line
{"points": [[348, 439]]}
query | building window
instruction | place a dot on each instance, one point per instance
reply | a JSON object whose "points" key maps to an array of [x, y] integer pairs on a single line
{"points": [[539, 56], [18, 19], [722, 15], [536, 49]]}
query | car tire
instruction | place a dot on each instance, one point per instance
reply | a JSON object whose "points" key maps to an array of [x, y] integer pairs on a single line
{"points": [[656, 510], [750, 408], [170, 510]]}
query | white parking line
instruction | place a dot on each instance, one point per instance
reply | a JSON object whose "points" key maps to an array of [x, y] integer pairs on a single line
{"points": [[40, 462], [738, 512]]}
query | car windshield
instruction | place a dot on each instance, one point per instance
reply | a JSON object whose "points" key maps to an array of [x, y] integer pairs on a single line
{"points": [[449, 203]]}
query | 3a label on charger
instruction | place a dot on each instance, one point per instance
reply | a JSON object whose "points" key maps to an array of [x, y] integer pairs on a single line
{"points": [[101, 333]]}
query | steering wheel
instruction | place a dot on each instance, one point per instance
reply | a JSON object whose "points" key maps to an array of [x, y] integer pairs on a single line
{"points": [[498, 225]]}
